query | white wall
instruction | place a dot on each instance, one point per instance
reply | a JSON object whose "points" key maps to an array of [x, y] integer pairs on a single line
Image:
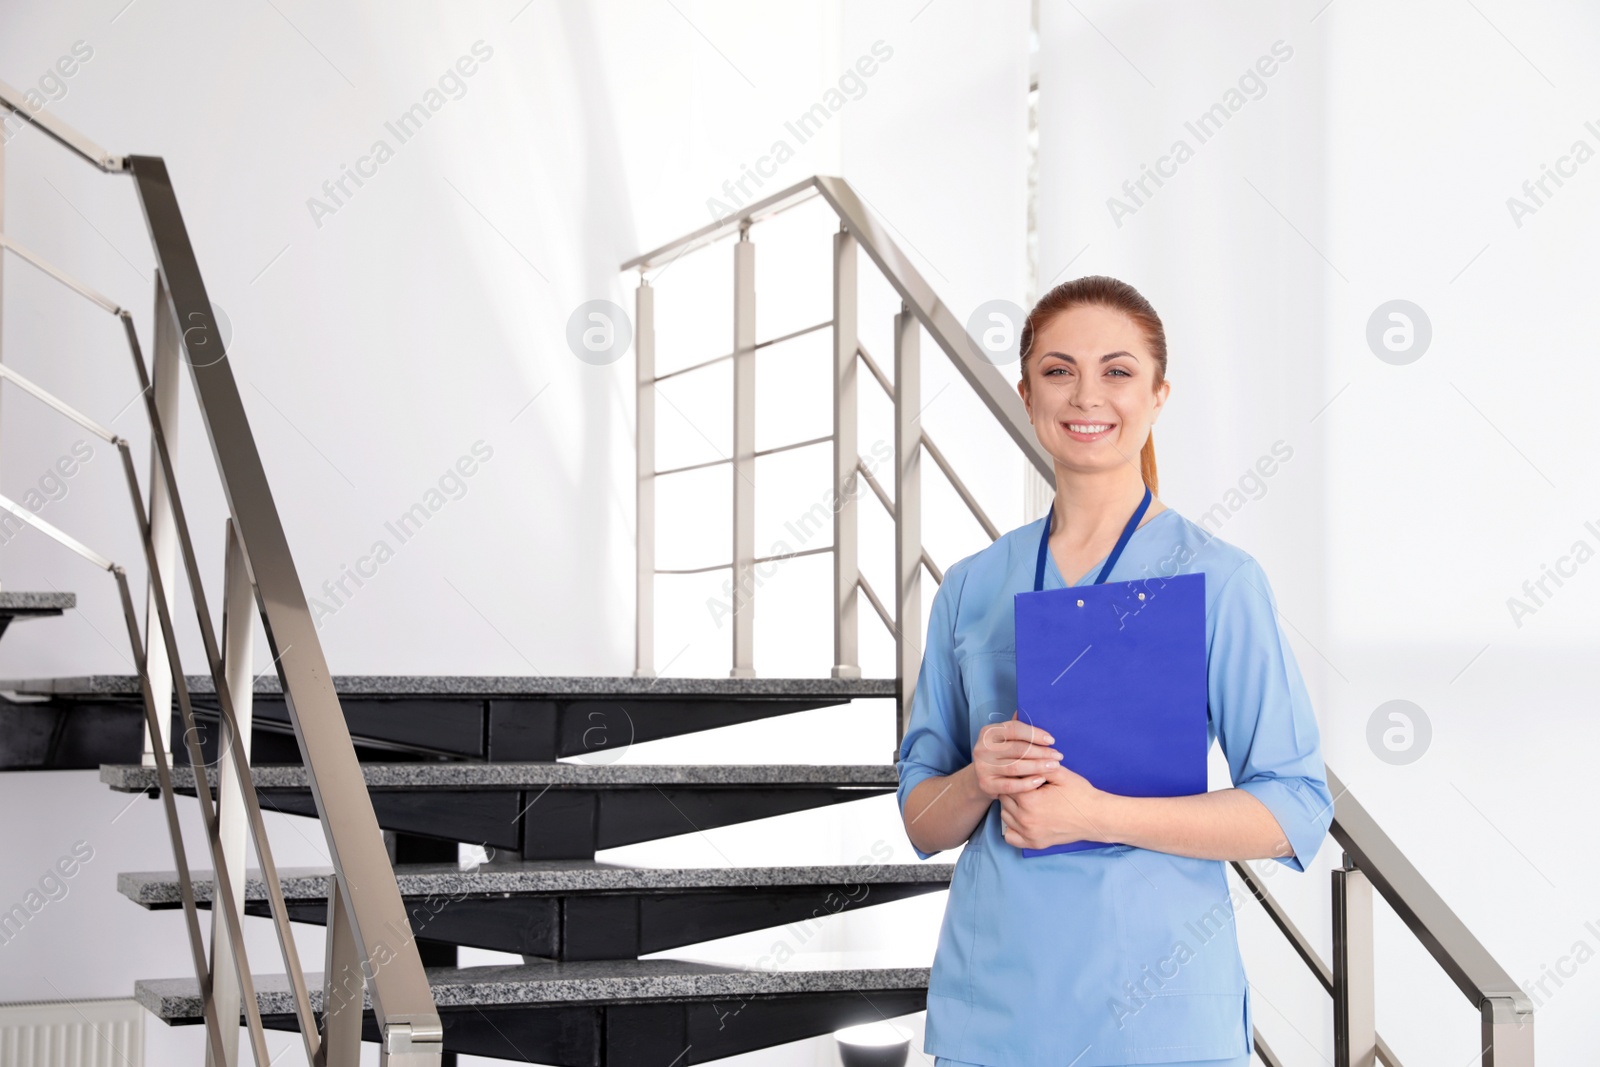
{"points": [[1376, 165]]}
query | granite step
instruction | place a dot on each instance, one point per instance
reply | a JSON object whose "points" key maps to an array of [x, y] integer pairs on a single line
{"points": [[618, 1013], [23, 605], [397, 717], [581, 909], [31, 737], [559, 810]]}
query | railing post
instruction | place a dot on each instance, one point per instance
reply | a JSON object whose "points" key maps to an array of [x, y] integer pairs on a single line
{"points": [[744, 455], [907, 509], [846, 458], [644, 347], [164, 354], [1507, 1034], [1355, 1034], [343, 987], [238, 610]]}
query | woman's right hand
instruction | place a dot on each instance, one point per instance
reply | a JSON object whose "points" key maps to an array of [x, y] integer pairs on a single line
{"points": [[1012, 757]]}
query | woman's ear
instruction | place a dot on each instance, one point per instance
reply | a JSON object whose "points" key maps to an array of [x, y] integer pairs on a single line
{"points": [[1162, 393]]}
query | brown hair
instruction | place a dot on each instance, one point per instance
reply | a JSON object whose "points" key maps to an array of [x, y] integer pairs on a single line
{"points": [[1097, 290]]}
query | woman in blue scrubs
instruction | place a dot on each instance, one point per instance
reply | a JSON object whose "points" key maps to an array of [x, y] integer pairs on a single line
{"points": [[1124, 954]]}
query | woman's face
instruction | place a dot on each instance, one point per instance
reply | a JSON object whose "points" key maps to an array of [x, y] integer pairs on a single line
{"points": [[1090, 389]]}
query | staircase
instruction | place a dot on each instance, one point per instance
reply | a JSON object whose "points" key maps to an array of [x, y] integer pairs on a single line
{"points": [[583, 996], [400, 772]]}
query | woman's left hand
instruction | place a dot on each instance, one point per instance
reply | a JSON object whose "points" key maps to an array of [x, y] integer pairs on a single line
{"points": [[1062, 809]]}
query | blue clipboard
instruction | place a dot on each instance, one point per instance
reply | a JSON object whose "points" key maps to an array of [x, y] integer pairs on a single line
{"points": [[1116, 673]]}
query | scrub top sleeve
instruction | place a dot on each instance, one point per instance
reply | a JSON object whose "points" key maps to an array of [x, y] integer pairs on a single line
{"points": [[1263, 714], [936, 741]]}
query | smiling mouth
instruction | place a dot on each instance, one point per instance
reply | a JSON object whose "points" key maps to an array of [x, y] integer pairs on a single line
{"points": [[1088, 431]]}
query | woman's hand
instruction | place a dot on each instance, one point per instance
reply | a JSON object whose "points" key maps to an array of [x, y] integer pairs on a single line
{"points": [[1061, 810], [1011, 757]]}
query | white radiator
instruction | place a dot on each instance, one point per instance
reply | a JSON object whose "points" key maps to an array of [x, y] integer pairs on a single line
{"points": [[79, 1033]]}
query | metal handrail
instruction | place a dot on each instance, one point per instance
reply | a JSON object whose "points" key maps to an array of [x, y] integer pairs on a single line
{"points": [[1303, 948], [1506, 1010], [776, 204], [1371, 859], [374, 929], [1455, 947], [918, 296]]}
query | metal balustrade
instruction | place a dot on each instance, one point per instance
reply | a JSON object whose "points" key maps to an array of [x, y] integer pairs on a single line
{"points": [[1371, 861], [920, 307], [370, 942]]}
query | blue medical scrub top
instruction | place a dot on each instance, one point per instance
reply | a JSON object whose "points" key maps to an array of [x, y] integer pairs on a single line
{"points": [[1116, 955]]}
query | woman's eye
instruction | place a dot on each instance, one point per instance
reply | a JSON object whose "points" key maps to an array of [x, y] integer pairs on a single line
{"points": [[1119, 370]]}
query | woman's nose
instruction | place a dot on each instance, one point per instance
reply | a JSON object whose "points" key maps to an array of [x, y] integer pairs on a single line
{"points": [[1083, 393]]}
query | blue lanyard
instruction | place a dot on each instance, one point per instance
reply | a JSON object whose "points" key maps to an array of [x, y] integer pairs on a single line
{"points": [[1111, 560]]}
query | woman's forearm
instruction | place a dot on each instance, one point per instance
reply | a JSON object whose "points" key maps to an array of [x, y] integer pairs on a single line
{"points": [[941, 813], [1225, 824]]}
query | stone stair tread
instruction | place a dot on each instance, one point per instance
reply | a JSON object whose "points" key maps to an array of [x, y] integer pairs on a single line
{"points": [[155, 888], [22, 601], [132, 778], [515, 685], [547, 982]]}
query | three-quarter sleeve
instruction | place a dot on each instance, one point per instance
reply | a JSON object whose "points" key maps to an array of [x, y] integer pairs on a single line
{"points": [[1263, 715], [936, 741]]}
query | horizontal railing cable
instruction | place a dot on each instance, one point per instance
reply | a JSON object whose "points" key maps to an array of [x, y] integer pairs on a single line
{"points": [[691, 467], [726, 356], [53, 127], [872, 598], [807, 443], [961, 488], [163, 771], [797, 333], [872, 483], [877, 371], [61, 406], [85, 291]]}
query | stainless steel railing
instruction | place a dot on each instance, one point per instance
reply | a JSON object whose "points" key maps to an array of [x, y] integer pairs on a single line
{"points": [[1371, 860], [370, 940], [920, 307]]}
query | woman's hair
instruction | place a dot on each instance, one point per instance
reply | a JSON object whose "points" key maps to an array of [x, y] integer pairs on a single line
{"points": [[1097, 290]]}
